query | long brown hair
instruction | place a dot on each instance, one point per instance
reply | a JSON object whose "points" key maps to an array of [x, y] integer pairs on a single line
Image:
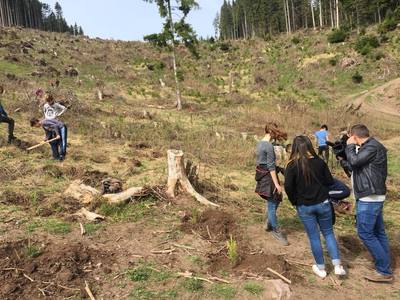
{"points": [[302, 151], [276, 133]]}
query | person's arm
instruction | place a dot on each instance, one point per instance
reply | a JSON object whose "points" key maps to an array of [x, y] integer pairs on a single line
{"points": [[2, 111], [290, 183], [272, 167], [363, 157], [60, 109]]}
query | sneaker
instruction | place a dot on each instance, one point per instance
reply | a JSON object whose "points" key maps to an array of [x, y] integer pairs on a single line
{"points": [[340, 271], [268, 227], [318, 272], [280, 237], [378, 277]]}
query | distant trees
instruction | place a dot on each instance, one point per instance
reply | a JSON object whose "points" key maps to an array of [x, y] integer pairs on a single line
{"points": [[34, 14], [249, 18]]}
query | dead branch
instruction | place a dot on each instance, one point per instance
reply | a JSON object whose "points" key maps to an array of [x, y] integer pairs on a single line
{"points": [[183, 247], [82, 229], [188, 274], [126, 195], [166, 251], [91, 216], [27, 277], [220, 280], [88, 291], [279, 275]]}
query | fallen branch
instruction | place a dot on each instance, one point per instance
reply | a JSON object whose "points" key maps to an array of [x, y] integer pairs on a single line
{"points": [[126, 195], [183, 247], [188, 274], [82, 229], [220, 280], [88, 291], [279, 275], [166, 251], [91, 216], [27, 277]]}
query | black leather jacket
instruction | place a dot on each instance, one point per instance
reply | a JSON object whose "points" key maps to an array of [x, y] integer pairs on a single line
{"points": [[369, 167]]}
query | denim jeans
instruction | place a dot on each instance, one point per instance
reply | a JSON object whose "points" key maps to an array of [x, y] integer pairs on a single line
{"points": [[272, 207], [371, 230], [10, 122], [59, 147], [63, 141], [318, 218]]}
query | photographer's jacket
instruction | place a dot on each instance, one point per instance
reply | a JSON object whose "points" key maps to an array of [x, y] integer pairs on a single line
{"points": [[369, 167]]}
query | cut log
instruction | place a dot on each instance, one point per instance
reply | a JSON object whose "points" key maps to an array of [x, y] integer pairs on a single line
{"points": [[177, 174], [91, 216], [125, 195], [81, 192]]}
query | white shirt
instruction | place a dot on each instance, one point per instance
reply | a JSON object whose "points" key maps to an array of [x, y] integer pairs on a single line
{"points": [[53, 111]]}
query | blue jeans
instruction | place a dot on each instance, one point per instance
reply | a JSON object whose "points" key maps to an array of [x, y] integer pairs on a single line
{"points": [[272, 207], [318, 218], [371, 230], [63, 141]]}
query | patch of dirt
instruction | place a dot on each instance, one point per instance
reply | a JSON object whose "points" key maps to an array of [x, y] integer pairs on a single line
{"points": [[59, 271], [94, 178], [14, 198], [62, 205], [53, 171], [211, 224]]}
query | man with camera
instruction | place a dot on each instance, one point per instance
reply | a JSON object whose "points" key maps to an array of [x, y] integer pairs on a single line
{"points": [[367, 159]]}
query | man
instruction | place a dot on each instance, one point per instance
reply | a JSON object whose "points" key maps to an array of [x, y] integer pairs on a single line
{"points": [[54, 129], [322, 137], [5, 119], [367, 158]]}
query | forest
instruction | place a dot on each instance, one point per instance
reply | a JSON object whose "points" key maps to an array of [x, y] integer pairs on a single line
{"points": [[35, 14], [262, 18]]}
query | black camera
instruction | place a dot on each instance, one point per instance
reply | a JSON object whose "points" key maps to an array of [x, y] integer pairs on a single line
{"points": [[339, 149]]}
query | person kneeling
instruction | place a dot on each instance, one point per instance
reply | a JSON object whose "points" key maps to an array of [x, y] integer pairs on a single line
{"points": [[307, 182], [54, 129]]}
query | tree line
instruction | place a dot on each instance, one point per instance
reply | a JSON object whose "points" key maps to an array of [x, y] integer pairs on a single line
{"points": [[35, 14], [261, 18]]}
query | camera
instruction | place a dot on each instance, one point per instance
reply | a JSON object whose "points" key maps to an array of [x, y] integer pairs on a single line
{"points": [[339, 149]]}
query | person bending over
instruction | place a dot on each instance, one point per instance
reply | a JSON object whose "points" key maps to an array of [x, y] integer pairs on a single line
{"points": [[307, 182], [54, 129], [4, 118]]}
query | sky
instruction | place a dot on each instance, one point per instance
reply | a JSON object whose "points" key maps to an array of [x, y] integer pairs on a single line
{"points": [[130, 19]]}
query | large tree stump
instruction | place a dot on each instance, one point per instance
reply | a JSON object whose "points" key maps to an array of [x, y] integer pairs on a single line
{"points": [[177, 174]]}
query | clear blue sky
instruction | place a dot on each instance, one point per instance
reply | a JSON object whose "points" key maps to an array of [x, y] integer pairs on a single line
{"points": [[130, 19]]}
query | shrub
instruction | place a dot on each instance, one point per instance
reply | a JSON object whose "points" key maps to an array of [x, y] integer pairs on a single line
{"points": [[379, 55], [366, 43], [357, 77], [337, 36], [383, 38], [233, 254], [389, 24], [224, 47], [333, 61], [296, 40]]}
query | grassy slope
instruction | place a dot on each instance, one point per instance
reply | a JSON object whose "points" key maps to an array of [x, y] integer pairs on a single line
{"points": [[226, 92]]}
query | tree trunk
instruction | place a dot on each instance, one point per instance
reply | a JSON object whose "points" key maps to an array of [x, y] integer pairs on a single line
{"points": [[321, 25], [337, 14], [178, 89], [331, 12], [293, 17], [177, 174], [379, 14], [313, 16], [286, 19]]}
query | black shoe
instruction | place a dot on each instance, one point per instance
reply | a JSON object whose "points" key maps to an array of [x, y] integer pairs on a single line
{"points": [[280, 237], [268, 227], [11, 139]]}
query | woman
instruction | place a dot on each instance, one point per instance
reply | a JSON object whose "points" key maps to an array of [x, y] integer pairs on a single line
{"points": [[307, 182], [52, 109], [268, 186]]}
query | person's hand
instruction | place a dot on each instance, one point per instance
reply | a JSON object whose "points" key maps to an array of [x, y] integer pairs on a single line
{"points": [[279, 189], [58, 137], [351, 140]]}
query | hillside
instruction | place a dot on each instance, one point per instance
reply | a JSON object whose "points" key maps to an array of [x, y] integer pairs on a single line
{"points": [[300, 81]]}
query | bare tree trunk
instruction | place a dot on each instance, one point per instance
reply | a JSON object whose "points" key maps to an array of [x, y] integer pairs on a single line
{"points": [[321, 24], [331, 12], [288, 16], [177, 174], [379, 13], [178, 89], [245, 25], [312, 15], [293, 17], [286, 19], [337, 14]]}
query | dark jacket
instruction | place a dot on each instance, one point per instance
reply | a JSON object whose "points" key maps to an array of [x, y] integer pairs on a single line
{"points": [[316, 191], [2, 111], [369, 167], [52, 127]]}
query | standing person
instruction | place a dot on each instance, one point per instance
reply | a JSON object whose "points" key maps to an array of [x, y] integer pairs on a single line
{"points": [[4, 118], [54, 129], [322, 137], [307, 182], [369, 172], [52, 109], [268, 186]]}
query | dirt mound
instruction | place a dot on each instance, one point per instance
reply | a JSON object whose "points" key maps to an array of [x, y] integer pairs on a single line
{"points": [[59, 271], [94, 178], [60, 205], [211, 224], [14, 198]]}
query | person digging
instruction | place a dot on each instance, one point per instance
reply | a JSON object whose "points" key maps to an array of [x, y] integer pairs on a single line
{"points": [[56, 133], [4, 118]]}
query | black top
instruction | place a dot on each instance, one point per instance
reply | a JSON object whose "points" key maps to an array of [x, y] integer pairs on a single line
{"points": [[317, 191]]}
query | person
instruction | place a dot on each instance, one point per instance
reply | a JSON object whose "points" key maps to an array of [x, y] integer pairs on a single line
{"points": [[52, 109], [322, 138], [367, 159], [4, 118], [307, 182], [268, 185], [54, 129]]}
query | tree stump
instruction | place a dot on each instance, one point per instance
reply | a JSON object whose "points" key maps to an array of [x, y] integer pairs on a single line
{"points": [[177, 174]]}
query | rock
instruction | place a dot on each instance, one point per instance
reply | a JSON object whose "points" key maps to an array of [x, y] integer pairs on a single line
{"points": [[347, 62], [111, 186], [276, 289]]}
